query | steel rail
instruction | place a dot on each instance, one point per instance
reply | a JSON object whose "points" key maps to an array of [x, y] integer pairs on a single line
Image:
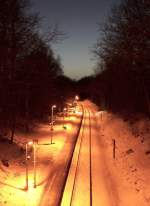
{"points": [[90, 158], [71, 157], [78, 160], [77, 167]]}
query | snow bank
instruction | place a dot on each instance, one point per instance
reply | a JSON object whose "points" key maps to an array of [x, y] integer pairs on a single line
{"points": [[131, 167]]}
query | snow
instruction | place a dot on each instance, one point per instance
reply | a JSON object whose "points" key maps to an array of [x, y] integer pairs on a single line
{"points": [[13, 178], [130, 170], [120, 181], [123, 181]]}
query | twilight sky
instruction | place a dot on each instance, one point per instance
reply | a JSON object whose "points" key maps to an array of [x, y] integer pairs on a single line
{"points": [[78, 19]]}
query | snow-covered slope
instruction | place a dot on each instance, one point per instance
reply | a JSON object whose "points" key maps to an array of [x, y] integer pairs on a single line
{"points": [[130, 169]]}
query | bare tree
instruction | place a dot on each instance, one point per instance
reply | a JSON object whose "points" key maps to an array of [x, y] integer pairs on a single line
{"points": [[124, 46], [26, 60]]}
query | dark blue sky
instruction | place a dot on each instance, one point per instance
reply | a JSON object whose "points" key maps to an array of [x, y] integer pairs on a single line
{"points": [[78, 19]]}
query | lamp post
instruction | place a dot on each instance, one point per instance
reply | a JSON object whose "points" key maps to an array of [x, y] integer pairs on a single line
{"points": [[64, 110], [34, 162], [52, 114], [27, 158], [75, 101]]}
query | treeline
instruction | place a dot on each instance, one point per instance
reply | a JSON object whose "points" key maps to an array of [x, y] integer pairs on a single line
{"points": [[122, 79], [29, 70]]}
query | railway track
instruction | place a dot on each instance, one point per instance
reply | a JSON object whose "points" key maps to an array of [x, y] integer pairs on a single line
{"points": [[81, 176], [78, 186]]}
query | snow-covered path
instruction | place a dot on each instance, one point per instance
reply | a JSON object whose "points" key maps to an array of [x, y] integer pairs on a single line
{"points": [[80, 170], [88, 181]]}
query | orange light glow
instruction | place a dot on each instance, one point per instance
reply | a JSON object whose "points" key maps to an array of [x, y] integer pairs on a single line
{"points": [[30, 143], [76, 97]]}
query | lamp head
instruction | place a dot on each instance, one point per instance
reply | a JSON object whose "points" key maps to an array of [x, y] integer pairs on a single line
{"points": [[54, 106], [30, 143], [76, 97]]}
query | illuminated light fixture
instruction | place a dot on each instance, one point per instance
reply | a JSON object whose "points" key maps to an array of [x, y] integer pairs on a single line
{"points": [[64, 110], [30, 143], [76, 97], [34, 161], [52, 114], [54, 106], [52, 121], [28, 157]]}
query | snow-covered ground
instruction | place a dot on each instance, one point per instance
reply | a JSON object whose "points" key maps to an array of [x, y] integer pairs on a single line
{"points": [[120, 175], [127, 176], [13, 176], [130, 169]]}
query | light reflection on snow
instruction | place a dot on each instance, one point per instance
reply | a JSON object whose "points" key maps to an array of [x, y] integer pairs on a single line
{"points": [[72, 118], [14, 188], [69, 127]]}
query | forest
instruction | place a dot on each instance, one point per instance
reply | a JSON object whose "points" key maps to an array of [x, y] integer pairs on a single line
{"points": [[32, 77], [121, 82], [31, 74]]}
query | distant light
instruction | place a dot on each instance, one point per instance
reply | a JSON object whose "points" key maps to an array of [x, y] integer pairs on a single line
{"points": [[54, 106], [28, 157], [76, 97], [30, 143], [78, 112]]}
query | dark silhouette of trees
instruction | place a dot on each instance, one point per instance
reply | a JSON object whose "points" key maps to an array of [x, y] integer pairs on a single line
{"points": [[28, 66], [85, 89], [16, 29], [124, 50], [38, 75], [65, 90]]}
